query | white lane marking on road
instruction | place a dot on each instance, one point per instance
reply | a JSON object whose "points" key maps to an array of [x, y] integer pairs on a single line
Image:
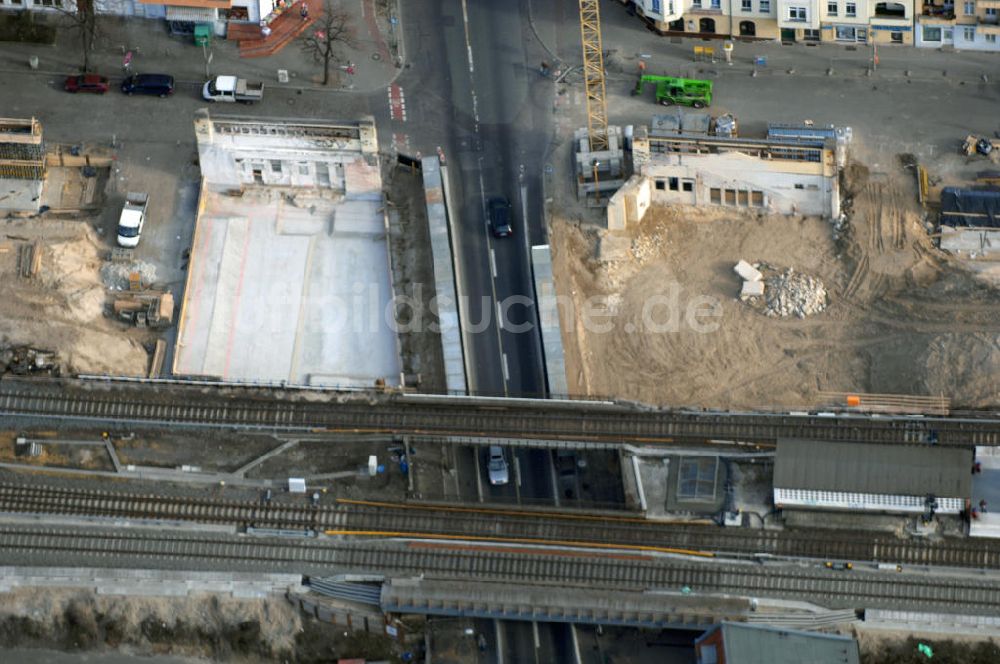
{"points": [[493, 262], [472, 65], [554, 479], [479, 475], [575, 640], [506, 369], [498, 634], [499, 316]]}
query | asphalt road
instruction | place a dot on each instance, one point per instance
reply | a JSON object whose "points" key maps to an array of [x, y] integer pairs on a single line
{"points": [[473, 93], [486, 106]]}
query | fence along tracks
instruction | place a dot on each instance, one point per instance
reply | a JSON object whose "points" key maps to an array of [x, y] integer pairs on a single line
{"points": [[181, 405], [368, 520], [486, 564]]}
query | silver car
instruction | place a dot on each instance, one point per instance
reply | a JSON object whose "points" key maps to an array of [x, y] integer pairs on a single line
{"points": [[497, 466]]}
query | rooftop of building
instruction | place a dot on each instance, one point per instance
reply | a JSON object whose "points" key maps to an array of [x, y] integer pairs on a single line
{"points": [[898, 469], [759, 644]]}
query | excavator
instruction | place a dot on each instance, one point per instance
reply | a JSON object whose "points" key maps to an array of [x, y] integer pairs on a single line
{"points": [[671, 90]]}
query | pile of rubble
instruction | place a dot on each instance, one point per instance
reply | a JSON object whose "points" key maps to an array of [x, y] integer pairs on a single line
{"points": [[793, 294], [116, 275], [777, 293]]}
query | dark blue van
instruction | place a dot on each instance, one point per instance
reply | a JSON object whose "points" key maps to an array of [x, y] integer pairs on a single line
{"points": [[160, 85]]}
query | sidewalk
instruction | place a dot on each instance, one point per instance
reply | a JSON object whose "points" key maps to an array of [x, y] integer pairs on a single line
{"points": [[633, 41], [827, 60], [156, 51]]}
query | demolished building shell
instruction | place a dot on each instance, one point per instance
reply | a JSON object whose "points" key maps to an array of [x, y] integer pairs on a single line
{"points": [[22, 164], [781, 176], [289, 280]]}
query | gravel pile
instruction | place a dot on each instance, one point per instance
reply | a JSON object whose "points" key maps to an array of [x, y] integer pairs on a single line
{"points": [[115, 275], [792, 294]]}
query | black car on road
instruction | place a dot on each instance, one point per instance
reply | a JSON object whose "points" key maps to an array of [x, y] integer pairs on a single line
{"points": [[500, 215], [159, 85]]}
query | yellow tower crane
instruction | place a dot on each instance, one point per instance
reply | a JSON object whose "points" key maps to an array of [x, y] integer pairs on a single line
{"points": [[593, 74]]}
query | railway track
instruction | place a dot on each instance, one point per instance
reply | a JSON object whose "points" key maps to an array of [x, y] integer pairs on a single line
{"points": [[35, 499], [362, 519], [641, 534], [253, 408], [493, 564]]}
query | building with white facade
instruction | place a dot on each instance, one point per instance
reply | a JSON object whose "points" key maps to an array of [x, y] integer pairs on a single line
{"points": [[778, 176], [216, 13], [966, 25], [847, 21], [837, 21], [712, 18], [898, 478]]}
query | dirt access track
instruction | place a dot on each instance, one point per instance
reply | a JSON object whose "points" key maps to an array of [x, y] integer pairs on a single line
{"points": [[902, 316]]}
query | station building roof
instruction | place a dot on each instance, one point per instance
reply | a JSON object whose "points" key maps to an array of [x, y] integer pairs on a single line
{"points": [[896, 469], [759, 644]]}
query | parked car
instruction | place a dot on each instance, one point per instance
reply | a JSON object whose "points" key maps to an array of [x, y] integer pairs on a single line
{"points": [[497, 466], [499, 211], [160, 85], [87, 83], [232, 89], [132, 219]]}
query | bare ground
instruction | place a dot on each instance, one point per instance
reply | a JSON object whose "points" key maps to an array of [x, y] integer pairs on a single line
{"points": [[219, 628], [413, 277], [903, 317], [62, 308]]}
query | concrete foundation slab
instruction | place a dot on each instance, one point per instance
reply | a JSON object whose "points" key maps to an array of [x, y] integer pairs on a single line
{"points": [[291, 290]]}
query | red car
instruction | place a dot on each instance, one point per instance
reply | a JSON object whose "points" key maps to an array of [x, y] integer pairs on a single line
{"points": [[87, 83]]}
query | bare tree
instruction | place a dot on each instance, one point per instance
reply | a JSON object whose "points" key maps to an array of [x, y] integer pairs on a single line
{"points": [[332, 31], [82, 17]]}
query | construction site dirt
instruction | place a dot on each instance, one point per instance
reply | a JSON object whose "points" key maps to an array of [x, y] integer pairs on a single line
{"points": [[58, 302], [902, 317]]}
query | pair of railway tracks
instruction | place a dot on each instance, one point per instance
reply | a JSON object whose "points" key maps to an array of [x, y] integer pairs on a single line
{"points": [[373, 520], [496, 564], [252, 408]]}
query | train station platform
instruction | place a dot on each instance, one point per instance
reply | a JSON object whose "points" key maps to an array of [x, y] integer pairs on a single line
{"points": [[150, 582], [572, 605], [986, 487]]}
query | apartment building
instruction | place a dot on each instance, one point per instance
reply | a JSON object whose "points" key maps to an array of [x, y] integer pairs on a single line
{"points": [[836, 21], [847, 21], [214, 12], [967, 25], [712, 18]]}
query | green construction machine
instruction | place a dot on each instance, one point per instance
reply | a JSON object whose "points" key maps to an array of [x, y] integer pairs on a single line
{"points": [[685, 91]]}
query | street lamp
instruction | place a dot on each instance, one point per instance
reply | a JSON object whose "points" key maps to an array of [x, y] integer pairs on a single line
{"points": [[597, 184]]}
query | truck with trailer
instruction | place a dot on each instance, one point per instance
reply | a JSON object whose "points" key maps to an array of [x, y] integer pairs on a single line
{"points": [[671, 90], [232, 89], [132, 218]]}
